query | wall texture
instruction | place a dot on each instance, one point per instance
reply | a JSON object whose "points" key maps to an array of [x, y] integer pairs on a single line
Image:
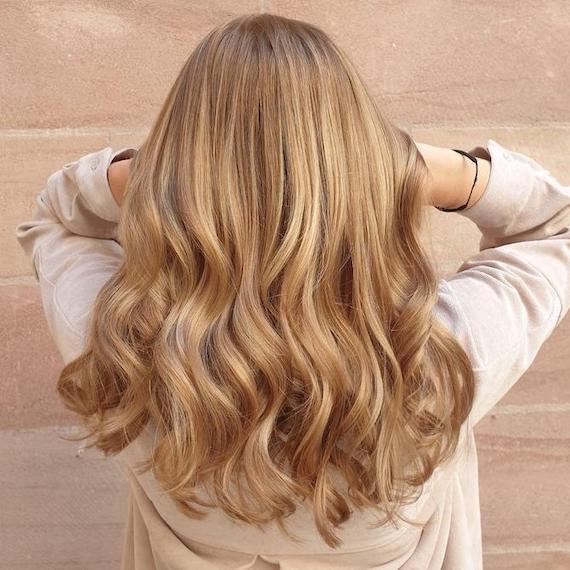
{"points": [[76, 76]]}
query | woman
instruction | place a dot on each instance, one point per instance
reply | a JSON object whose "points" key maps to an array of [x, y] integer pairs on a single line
{"points": [[250, 322]]}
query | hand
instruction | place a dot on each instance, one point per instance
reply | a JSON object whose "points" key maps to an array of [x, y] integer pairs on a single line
{"points": [[117, 175]]}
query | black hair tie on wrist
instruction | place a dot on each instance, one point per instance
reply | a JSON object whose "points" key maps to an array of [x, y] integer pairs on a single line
{"points": [[470, 157]]}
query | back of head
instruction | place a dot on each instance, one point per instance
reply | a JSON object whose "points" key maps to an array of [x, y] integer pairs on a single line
{"points": [[273, 314]]}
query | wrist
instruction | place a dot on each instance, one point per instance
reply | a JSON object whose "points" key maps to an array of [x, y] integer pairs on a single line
{"points": [[117, 175], [451, 176], [453, 179]]}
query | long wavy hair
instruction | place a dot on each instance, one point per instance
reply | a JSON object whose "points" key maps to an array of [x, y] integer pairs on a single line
{"points": [[272, 315]]}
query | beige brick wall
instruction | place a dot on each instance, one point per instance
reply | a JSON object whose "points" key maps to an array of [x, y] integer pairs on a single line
{"points": [[75, 76]]}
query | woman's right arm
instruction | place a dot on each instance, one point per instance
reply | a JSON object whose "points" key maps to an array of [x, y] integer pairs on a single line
{"points": [[504, 301], [452, 175]]}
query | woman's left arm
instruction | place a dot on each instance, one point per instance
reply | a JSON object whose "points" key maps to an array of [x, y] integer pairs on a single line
{"points": [[73, 244], [117, 175]]}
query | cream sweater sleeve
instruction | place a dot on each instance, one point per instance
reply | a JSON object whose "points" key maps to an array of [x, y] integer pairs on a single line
{"points": [[72, 242], [504, 302]]}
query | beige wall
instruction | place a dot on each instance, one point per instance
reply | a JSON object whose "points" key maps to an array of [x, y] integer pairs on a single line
{"points": [[76, 76]]}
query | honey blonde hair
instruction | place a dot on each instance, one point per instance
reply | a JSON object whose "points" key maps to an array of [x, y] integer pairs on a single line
{"points": [[273, 312]]}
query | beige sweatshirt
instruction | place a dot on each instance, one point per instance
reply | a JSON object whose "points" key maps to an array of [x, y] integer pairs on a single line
{"points": [[502, 304]]}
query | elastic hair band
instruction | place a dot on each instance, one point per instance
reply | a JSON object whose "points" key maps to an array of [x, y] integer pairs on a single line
{"points": [[470, 157]]}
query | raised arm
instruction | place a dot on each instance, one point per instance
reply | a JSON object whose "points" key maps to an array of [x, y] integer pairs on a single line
{"points": [[504, 301], [71, 239]]}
